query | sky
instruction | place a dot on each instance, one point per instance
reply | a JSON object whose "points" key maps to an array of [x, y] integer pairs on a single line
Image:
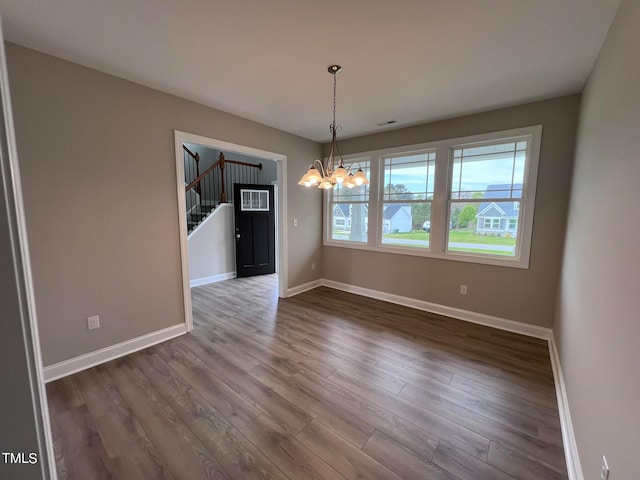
{"points": [[476, 174]]}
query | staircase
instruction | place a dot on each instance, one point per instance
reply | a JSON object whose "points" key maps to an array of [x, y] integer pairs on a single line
{"points": [[205, 191], [197, 215]]}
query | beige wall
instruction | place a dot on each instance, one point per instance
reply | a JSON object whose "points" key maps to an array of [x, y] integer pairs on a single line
{"points": [[598, 324], [98, 165], [523, 295]]}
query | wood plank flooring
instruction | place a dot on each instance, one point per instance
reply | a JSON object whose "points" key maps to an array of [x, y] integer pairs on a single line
{"points": [[322, 386]]}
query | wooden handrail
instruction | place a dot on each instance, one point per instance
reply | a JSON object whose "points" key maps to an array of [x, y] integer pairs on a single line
{"points": [[220, 163], [236, 162], [201, 176], [195, 156]]}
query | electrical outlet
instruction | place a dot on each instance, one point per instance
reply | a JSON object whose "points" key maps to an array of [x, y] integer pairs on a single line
{"points": [[604, 469], [93, 322], [295, 222], [463, 289], [313, 266]]}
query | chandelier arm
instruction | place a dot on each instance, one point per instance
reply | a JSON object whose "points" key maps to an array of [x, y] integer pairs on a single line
{"points": [[332, 150], [322, 169], [350, 166], [341, 163]]}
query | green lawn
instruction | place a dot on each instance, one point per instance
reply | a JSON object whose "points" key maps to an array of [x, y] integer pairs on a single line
{"points": [[455, 236], [469, 236]]}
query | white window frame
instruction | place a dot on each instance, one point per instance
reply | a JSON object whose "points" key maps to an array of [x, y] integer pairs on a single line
{"points": [[329, 207], [382, 202], [440, 221], [251, 207]]}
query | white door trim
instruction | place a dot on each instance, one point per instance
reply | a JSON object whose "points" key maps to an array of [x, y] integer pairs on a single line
{"points": [[10, 174], [281, 230]]}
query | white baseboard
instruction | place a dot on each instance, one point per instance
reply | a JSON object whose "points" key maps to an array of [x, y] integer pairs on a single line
{"points": [[574, 469], [73, 365], [198, 282], [304, 287], [467, 315]]}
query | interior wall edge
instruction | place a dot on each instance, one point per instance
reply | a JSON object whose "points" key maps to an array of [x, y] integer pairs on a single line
{"points": [[574, 468]]}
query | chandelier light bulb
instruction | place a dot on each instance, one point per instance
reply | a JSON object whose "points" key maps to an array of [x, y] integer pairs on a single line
{"points": [[340, 174], [349, 183]]}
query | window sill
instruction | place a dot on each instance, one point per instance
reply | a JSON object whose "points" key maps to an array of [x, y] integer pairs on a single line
{"points": [[512, 262]]}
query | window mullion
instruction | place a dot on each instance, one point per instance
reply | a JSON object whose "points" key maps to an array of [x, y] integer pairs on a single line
{"points": [[375, 199], [439, 202]]}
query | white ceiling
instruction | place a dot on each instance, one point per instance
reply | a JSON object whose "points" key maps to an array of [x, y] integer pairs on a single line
{"points": [[266, 60]]}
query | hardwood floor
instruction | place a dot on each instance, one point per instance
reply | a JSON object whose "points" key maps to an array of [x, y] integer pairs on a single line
{"points": [[324, 385]]}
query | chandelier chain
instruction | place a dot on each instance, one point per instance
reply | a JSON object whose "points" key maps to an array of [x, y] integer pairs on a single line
{"points": [[333, 126]]}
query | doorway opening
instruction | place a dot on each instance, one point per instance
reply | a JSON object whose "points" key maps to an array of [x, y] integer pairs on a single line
{"points": [[279, 196]]}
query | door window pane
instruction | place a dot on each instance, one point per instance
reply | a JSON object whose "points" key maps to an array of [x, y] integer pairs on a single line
{"points": [[254, 200]]}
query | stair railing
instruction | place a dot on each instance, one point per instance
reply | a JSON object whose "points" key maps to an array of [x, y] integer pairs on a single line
{"points": [[191, 166], [210, 185]]}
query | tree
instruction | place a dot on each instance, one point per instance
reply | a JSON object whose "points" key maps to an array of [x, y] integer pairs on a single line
{"points": [[455, 216], [468, 216], [420, 212], [398, 192]]}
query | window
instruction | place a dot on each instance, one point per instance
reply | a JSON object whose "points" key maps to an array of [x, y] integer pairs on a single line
{"points": [[491, 223], [468, 199], [406, 199], [349, 210], [254, 200], [486, 186]]}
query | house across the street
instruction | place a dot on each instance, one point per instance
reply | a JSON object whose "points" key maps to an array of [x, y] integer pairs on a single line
{"points": [[396, 217], [496, 217]]}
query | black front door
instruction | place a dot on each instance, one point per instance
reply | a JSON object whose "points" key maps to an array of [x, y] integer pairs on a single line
{"points": [[255, 229]]}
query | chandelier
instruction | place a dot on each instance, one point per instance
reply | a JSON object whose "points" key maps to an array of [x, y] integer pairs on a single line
{"points": [[326, 176]]}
